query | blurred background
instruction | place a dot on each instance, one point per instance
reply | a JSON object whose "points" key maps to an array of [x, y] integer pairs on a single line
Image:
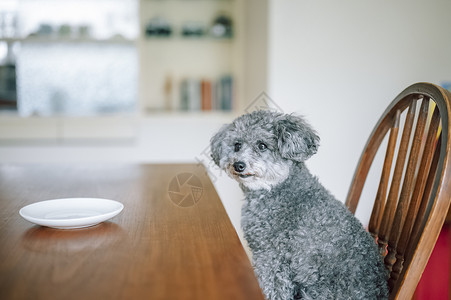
{"points": [[150, 81]]}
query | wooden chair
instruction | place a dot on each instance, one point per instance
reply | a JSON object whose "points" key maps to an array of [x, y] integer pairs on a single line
{"points": [[414, 191]]}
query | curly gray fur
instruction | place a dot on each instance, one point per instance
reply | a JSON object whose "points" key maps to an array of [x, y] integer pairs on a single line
{"points": [[305, 244]]}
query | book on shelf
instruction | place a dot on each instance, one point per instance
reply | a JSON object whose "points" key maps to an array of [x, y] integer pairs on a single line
{"points": [[207, 101], [190, 95], [206, 95], [225, 93]]}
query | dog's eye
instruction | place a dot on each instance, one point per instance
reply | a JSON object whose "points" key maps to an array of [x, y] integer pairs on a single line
{"points": [[262, 146], [237, 147]]}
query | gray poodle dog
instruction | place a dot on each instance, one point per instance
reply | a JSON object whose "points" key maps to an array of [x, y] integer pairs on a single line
{"points": [[305, 244]]}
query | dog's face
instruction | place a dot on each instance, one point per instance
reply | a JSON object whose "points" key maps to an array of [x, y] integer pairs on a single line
{"points": [[258, 149]]}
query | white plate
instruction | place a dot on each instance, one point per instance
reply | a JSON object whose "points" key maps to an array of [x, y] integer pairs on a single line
{"points": [[71, 213]]}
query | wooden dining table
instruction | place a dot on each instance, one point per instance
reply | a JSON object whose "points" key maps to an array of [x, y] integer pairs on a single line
{"points": [[172, 240]]}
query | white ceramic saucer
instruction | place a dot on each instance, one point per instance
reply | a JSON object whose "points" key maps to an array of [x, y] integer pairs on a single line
{"points": [[71, 213]]}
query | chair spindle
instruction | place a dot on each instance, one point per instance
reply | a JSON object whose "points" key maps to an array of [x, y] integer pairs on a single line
{"points": [[421, 216], [379, 202], [407, 187], [416, 196], [389, 211]]}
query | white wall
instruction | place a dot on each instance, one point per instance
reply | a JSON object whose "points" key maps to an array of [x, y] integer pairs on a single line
{"points": [[340, 63], [255, 50]]}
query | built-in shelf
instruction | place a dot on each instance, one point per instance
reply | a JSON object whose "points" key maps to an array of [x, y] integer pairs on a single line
{"points": [[183, 38], [176, 56], [168, 62], [53, 39]]}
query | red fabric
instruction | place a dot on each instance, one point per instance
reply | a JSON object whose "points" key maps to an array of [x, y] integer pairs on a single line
{"points": [[435, 282]]}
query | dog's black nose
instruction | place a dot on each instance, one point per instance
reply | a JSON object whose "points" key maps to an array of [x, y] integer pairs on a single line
{"points": [[239, 166]]}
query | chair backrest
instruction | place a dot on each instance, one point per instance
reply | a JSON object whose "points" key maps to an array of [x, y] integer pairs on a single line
{"points": [[414, 190]]}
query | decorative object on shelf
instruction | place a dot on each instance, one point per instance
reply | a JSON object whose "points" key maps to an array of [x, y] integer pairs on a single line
{"points": [[43, 30], [65, 30], [168, 86], [8, 87], [8, 24], [193, 29], [84, 31], [158, 27], [57, 101], [222, 27]]}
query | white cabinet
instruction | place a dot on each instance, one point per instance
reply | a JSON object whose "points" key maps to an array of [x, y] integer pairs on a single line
{"points": [[67, 129], [14, 128]]}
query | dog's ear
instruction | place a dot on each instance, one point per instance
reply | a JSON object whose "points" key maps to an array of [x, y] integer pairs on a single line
{"points": [[296, 139], [216, 143]]}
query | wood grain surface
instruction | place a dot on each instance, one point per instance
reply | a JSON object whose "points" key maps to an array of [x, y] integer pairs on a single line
{"points": [[156, 248]]}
